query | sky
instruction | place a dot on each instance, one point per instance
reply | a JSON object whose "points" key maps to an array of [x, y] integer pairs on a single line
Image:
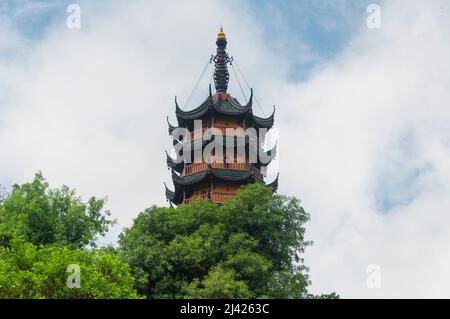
{"points": [[362, 114]]}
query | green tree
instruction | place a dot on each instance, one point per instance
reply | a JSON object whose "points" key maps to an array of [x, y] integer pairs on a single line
{"points": [[44, 231], [218, 284], [29, 271], [41, 215], [249, 247]]}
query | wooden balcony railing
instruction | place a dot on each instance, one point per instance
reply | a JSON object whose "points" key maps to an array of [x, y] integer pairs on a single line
{"points": [[198, 134], [236, 166], [201, 196], [194, 168], [216, 197], [223, 130], [198, 167]]}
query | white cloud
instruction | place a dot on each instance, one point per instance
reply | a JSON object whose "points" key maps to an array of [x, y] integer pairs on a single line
{"points": [[355, 114], [88, 108]]}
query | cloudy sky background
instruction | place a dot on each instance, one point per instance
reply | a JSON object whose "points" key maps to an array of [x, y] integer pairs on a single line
{"points": [[363, 116]]}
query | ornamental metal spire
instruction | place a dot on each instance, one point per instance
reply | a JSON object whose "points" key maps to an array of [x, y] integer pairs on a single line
{"points": [[221, 59]]}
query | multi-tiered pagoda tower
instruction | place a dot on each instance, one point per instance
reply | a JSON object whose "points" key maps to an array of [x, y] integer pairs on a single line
{"points": [[218, 179]]}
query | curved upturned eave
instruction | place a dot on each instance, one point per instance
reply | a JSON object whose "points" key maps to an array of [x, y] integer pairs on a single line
{"points": [[230, 106], [171, 127], [171, 163], [194, 113], [170, 195], [264, 122], [174, 197]]}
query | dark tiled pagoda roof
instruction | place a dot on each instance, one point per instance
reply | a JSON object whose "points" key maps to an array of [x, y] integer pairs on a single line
{"points": [[171, 127], [224, 174], [195, 113], [171, 163], [264, 122], [231, 174], [222, 103], [175, 197], [188, 179], [220, 173], [170, 195], [226, 104]]}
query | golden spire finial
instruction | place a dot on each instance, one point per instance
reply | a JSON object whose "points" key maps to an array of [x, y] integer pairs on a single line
{"points": [[221, 35]]}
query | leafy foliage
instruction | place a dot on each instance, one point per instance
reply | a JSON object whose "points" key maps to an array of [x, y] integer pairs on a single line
{"points": [[42, 232], [41, 215], [28, 271], [220, 283], [250, 247]]}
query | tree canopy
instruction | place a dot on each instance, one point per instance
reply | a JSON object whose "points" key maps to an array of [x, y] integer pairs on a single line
{"points": [[249, 247], [41, 215], [44, 232], [29, 271]]}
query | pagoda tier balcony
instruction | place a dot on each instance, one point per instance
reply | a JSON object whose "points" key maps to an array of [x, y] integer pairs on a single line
{"points": [[194, 168], [199, 167], [217, 130], [216, 197], [204, 196]]}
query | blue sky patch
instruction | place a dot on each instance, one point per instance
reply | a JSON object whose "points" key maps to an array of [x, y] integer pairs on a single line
{"points": [[309, 32], [402, 177]]}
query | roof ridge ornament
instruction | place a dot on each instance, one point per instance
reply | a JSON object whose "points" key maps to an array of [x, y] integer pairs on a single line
{"points": [[221, 35], [221, 59]]}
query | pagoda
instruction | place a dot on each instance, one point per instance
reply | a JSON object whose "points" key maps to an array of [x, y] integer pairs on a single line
{"points": [[222, 118]]}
